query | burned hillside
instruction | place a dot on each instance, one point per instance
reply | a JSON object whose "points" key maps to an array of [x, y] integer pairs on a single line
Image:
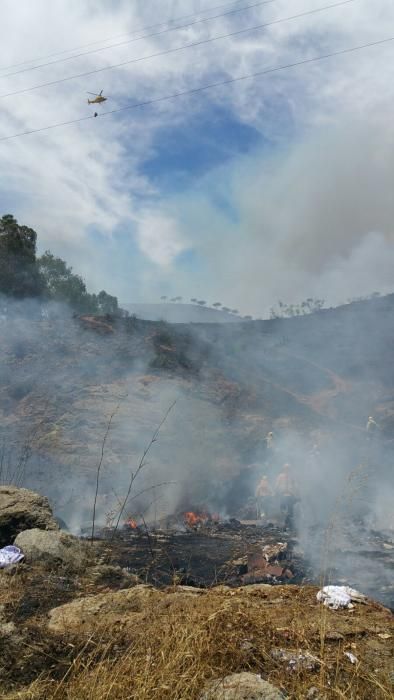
{"points": [[313, 381], [152, 442]]}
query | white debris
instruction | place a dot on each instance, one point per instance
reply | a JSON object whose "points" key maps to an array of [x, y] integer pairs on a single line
{"points": [[336, 597], [10, 555], [353, 659]]}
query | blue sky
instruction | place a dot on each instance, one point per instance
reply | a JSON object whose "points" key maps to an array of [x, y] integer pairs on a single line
{"points": [[274, 188], [208, 139]]}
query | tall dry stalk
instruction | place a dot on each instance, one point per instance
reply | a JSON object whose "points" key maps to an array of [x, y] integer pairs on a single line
{"points": [[108, 428], [141, 465]]}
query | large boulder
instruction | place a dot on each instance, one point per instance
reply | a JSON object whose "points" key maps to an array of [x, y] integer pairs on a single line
{"points": [[241, 686], [54, 548], [84, 615], [21, 509]]}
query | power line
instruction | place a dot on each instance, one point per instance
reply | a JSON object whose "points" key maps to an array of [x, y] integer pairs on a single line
{"points": [[119, 36], [202, 88], [139, 38], [179, 48]]}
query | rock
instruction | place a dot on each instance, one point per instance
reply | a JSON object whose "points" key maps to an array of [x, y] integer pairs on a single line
{"points": [[54, 548], [241, 686], [83, 615], [21, 509], [294, 660]]}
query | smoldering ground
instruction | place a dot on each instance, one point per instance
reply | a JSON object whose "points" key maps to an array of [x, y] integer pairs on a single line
{"points": [[313, 381]]}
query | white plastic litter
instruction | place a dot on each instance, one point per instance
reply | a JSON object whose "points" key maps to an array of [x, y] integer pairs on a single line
{"points": [[353, 659], [337, 597], [10, 555]]}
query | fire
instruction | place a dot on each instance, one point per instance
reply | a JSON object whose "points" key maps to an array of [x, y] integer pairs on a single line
{"points": [[131, 523], [194, 519]]}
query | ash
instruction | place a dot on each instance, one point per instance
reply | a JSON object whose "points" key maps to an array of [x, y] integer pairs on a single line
{"points": [[236, 553], [233, 553]]}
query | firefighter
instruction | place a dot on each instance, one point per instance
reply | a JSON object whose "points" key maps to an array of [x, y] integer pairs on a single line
{"points": [[285, 489], [372, 427], [269, 440], [263, 496]]}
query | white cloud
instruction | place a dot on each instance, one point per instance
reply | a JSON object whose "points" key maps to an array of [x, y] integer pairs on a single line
{"points": [[159, 238], [66, 181], [317, 221]]}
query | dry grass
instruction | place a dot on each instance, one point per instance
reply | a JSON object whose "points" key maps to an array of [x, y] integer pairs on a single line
{"points": [[179, 640]]}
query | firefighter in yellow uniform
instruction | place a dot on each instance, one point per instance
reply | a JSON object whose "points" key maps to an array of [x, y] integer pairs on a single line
{"points": [[263, 497]]}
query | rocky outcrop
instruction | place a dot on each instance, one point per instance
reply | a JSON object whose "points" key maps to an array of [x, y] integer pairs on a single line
{"points": [[241, 686], [83, 615], [21, 509], [54, 548]]}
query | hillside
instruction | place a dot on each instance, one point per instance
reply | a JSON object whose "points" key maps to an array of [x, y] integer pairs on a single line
{"points": [[80, 399], [179, 313], [332, 369], [312, 380]]}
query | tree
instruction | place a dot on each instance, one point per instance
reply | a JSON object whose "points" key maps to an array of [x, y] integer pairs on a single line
{"points": [[23, 275], [309, 306], [63, 285], [107, 304], [217, 304], [163, 298], [19, 273], [201, 303], [194, 300]]}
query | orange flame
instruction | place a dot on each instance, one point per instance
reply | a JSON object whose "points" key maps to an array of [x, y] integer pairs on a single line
{"points": [[131, 523], [194, 519]]}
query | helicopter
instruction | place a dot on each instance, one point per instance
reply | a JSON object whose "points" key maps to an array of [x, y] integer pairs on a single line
{"points": [[97, 98]]}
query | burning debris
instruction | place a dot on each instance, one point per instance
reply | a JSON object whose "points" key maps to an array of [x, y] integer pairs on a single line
{"points": [[131, 523], [199, 519], [202, 549]]}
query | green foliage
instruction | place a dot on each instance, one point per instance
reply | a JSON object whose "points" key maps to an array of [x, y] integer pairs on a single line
{"points": [[63, 285], [107, 304], [23, 275], [19, 273]]}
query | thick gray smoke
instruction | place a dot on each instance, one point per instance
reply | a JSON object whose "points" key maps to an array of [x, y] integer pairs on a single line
{"points": [[313, 381]]}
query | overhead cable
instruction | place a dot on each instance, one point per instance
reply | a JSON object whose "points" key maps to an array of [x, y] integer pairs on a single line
{"points": [[202, 88], [179, 48], [139, 38]]}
